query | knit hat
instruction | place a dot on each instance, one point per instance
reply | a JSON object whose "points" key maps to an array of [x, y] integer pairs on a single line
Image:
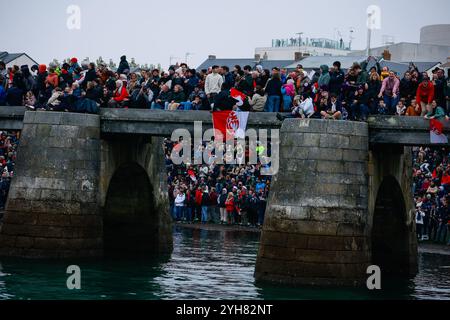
{"points": [[74, 60]]}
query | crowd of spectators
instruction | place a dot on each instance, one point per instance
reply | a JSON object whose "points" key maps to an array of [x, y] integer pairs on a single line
{"points": [[431, 187], [225, 194], [8, 147], [326, 93], [237, 193]]}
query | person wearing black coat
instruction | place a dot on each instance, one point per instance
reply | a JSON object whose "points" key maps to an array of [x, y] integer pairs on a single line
{"points": [[408, 88], [337, 77], [14, 95], [360, 109], [124, 67], [91, 75]]}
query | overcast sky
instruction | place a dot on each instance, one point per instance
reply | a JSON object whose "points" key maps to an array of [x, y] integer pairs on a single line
{"points": [[152, 31]]}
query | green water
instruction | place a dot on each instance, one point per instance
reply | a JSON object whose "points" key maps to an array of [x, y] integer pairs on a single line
{"points": [[205, 264]]}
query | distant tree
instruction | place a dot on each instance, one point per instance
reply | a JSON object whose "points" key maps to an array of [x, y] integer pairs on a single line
{"points": [[133, 63], [55, 63], [111, 64], [99, 61]]}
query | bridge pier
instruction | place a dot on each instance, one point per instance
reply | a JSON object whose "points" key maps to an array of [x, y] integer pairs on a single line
{"points": [[70, 182], [316, 218], [335, 208], [52, 209]]}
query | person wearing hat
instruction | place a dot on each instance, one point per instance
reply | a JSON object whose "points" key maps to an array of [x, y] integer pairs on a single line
{"points": [[73, 65]]}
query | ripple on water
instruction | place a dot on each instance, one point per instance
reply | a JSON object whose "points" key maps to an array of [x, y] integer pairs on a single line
{"points": [[205, 264]]}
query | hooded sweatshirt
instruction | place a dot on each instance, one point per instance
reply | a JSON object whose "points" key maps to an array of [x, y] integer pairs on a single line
{"points": [[324, 78]]}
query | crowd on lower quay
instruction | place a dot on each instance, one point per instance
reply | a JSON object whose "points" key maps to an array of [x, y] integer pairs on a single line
{"points": [[431, 187], [216, 193], [8, 148], [237, 194]]}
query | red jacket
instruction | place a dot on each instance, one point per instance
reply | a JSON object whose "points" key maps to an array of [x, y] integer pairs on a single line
{"points": [[229, 205], [198, 197], [53, 79], [425, 94], [122, 95], [445, 179]]}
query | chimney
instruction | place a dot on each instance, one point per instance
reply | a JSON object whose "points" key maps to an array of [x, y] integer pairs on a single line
{"points": [[298, 56], [387, 55], [211, 57], [257, 58]]}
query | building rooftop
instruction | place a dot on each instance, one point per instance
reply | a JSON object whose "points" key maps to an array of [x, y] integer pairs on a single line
{"points": [[7, 57], [230, 63]]}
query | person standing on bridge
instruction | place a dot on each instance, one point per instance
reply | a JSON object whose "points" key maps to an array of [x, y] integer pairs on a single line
{"points": [[213, 83], [390, 92], [425, 94]]}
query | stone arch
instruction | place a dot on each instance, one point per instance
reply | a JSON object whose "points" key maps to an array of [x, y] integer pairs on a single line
{"points": [[390, 220], [130, 221], [390, 234], [133, 179]]}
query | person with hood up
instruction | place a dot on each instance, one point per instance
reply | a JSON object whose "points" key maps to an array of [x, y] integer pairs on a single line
{"points": [[324, 78], [288, 92], [124, 67]]}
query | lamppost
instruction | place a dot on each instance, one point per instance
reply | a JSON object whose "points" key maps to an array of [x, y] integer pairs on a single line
{"points": [[369, 32]]}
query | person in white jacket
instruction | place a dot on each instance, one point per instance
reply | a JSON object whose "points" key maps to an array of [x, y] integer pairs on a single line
{"points": [[179, 204], [419, 222], [213, 83]]}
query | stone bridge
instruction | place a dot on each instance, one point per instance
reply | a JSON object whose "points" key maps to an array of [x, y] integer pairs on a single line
{"points": [[88, 185]]}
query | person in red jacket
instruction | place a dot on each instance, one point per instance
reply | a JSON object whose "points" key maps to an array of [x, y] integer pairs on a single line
{"points": [[425, 94], [198, 204], [229, 206], [120, 95], [52, 79]]}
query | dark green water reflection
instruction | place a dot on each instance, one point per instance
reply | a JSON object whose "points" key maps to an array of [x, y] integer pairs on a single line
{"points": [[204, 265]]}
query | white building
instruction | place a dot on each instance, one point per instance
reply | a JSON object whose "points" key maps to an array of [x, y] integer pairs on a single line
{"points": [[434, 46], [297, 48], [18, 59]]}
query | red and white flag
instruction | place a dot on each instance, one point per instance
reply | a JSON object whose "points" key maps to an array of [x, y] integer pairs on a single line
{"points": [[436, 133], [238, 95], [230, 123]]}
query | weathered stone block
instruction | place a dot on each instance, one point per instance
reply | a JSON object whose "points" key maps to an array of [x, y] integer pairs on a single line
{"points": [[317, 153]]}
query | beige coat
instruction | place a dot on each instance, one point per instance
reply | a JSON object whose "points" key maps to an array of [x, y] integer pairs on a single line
{"points": [[258, 102]]}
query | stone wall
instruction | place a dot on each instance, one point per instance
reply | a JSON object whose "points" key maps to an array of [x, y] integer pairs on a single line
{"points": [[315, 229], [52, 208]]}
